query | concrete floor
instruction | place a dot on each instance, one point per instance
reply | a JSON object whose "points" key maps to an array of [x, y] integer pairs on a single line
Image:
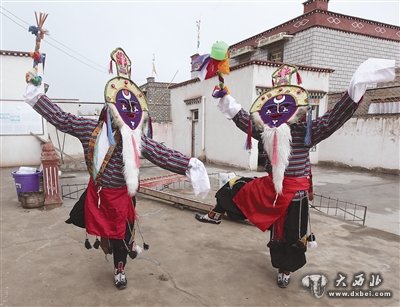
{"points": [[44, 262]]}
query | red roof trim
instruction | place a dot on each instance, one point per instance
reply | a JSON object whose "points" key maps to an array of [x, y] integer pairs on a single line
{"points": [[354, 33], [392, 32], [15, 53], [277, 64]]}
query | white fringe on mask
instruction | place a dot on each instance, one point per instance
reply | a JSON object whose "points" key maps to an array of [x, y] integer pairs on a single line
{"points": [[283, 150]]}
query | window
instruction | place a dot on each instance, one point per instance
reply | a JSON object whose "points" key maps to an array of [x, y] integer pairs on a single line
{"points": [[243, 58], [195, 115], [276, 56], [275, 52]]}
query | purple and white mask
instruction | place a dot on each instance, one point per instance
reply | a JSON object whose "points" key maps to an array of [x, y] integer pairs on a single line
{"points": [[278, 110], [129, 108]]}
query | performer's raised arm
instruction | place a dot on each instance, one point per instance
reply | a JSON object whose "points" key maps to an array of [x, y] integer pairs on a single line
{"points": [[234, 111], [369, 72], [279, 201], [63, 121]]}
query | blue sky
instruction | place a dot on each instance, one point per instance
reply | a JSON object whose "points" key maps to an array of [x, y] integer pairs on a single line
{"points": [[89, 30]]}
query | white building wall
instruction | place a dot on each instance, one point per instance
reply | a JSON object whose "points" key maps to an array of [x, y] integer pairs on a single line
{"points": [[70, 145], [180, 113], [20, 150], [16, 150], [162, 133], [338, 50], [13, 69], [223, 142], [365, 142], [25, 150]]}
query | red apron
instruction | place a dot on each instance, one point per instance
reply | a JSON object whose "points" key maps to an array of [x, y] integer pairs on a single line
{"points": [[107, 210], [256, 199]]}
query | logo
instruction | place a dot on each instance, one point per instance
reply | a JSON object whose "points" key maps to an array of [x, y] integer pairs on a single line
{"points": [[362, 285], [316, 283]]}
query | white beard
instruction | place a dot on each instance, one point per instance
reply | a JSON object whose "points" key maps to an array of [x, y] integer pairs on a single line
{"points": [[129, 154], [283, 151]]}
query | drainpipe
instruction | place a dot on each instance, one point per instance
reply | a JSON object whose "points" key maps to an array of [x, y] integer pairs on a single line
{"points": [[203, 132]]}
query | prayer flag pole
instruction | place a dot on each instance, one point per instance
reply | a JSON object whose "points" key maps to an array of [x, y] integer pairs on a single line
{"points": [[39, 32], [198, 22]]}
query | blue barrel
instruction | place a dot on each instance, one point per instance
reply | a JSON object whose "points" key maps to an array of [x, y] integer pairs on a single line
{"points": [[27, 182]]}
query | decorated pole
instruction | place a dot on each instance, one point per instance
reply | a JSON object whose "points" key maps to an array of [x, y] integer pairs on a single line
{"points": [[214, 64], [38, 30], [50, 159]]}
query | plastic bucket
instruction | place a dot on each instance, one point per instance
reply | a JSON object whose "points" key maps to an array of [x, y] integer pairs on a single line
{"points": [[27, 182]]}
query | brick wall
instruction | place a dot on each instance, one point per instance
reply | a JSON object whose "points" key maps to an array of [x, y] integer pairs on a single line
{"points": [[384, 92], [337, 50], [159, 99], [327, 48]]}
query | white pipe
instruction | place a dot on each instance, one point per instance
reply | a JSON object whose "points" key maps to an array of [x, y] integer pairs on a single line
{"points": [[203, 120]]}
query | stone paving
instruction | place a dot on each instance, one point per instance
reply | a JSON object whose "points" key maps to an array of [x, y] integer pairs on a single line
{"points": [[44, 262]]}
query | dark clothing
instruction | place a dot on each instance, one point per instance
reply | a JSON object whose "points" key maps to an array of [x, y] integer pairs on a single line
{"points": [[106, 207], [283, 254], [116, 247], [224, 198], [286, 254], [77, 214], [263, 206], [119, 248]]}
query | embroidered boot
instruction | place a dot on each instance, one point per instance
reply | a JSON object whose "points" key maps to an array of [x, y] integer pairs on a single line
{"points": [[283, 279], [119, 276], [211, 217]]}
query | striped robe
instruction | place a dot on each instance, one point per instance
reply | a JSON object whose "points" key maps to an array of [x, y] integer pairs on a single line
{"points": [[113, 175], [322, 128], [290, 225], [108, 206]]}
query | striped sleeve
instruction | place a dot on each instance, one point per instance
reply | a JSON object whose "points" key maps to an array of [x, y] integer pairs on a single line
{"points": [[241, 121], [164, 157], [63, 121], [333, 119]]}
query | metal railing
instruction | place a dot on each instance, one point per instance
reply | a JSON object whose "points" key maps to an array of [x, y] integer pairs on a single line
{"points": [[72, 191], [339, 208], [327, 205]]}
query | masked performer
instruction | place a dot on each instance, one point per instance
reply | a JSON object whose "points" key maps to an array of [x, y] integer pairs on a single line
{"points": [[279, 201], [112, 148]]}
